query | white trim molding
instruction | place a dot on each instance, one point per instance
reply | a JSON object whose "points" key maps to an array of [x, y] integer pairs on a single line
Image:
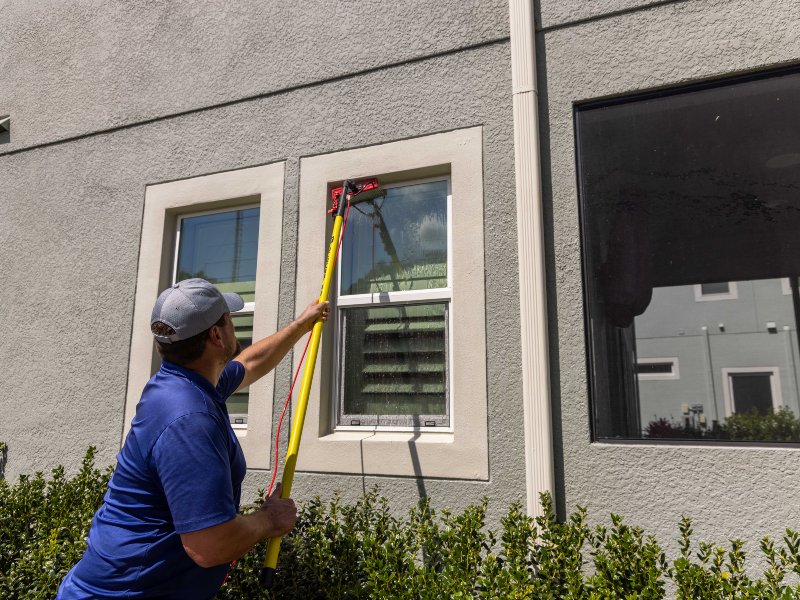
{"points": [[459, 452], [532, 277], [163, 204]]}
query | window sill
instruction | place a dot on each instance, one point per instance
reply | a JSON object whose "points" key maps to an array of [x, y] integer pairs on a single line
{"points": [[399, 454], [418, 437]]}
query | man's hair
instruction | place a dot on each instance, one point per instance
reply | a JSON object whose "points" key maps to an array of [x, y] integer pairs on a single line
{"points": [[185, 351]]}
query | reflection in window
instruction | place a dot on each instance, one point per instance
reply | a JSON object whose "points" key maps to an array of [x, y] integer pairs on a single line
{"points": [[687, 197], [393, 310], [222, 247]]}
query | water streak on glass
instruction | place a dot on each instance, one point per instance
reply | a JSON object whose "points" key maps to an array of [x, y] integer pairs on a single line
{"points": [[395, 363]]}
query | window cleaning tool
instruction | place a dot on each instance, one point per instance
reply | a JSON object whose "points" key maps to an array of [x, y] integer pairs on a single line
{"points": [[340, 202]]}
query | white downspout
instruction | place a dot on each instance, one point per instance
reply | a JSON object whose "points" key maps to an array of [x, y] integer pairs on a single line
{"points": [[532, 280]]}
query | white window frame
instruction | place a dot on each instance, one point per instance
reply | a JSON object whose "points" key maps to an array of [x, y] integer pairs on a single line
{"points": [[164, 205], [672, 361], [249, 307], [433, 295], [463, 451], [727, 385]]}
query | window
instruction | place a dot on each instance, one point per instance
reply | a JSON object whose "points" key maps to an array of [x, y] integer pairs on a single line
{"points": [[222, 247], [657, 368], [393, 309], [225, 227], [752, 390], [687, 197], [721, 290], [401, 374]]}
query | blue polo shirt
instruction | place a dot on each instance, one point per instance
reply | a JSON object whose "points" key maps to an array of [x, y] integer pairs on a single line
{"points": [[180, 470]]}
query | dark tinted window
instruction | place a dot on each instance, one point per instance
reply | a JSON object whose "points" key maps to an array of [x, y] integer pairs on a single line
{"points": [[654, 368], [752, 393], [684, 197], [720, 287]]}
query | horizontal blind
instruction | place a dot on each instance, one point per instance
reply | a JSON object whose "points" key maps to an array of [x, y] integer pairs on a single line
{"points": [[395, 361]]}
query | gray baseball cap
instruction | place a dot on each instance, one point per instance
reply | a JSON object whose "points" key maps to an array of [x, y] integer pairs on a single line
{"points": [[190, 307]]}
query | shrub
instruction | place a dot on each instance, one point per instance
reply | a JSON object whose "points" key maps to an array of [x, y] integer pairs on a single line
{"points": [[43, 527], [364, 551], [776, 426]]}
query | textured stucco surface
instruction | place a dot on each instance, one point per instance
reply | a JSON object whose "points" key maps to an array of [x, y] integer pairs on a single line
{"points": [[731, 492], [556, 13], [70, 225], [67, 68]]}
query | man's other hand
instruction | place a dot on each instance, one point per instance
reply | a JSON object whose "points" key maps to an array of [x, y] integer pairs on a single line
{"points": [[282, 513]]}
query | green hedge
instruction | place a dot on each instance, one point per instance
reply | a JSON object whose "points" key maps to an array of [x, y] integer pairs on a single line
{"points": [[362, 550], [43, 528]]}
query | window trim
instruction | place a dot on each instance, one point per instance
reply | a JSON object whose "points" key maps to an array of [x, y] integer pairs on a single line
{"points": [[727, 385], [427, 296], [164, 203], [462, 453]]}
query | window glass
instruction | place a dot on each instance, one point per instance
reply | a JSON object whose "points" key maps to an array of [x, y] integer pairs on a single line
{"points": [[397, 241], [654, 368], [395, 363], [393, 344], [237, 402], [720, 287], [752, 393], [222, 247], [685, 194]]}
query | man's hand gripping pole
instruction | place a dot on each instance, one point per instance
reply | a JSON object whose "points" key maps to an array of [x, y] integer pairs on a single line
{"points": [[340, 199]]}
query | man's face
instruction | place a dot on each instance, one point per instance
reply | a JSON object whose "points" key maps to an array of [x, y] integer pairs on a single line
{"points": [[232, 345]]}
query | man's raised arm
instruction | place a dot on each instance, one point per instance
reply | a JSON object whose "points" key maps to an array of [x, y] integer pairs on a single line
{"points": [[264, 355]]}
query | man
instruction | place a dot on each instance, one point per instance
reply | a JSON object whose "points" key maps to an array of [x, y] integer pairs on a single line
{"points": [[169, 524]]}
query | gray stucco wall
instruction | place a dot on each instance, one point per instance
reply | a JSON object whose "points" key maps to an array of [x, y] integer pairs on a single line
{"points": [[732, 492], [70, 216], [70, 68], [113, 80]]}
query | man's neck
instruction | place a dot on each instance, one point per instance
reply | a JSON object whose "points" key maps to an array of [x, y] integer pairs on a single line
{"points": [[207, 368]]}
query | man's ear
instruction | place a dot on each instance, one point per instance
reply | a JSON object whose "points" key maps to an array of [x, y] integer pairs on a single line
{"points": [[215, 335]]}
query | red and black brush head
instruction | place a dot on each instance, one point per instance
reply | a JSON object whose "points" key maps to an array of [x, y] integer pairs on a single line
{"points": [[353, 189]]}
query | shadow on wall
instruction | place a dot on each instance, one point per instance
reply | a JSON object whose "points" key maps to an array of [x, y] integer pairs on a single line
{"points": [[3, 459], [554, 344]]}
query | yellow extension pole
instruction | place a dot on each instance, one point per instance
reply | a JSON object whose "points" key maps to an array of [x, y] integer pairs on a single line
{"points": [[271, 560]]}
